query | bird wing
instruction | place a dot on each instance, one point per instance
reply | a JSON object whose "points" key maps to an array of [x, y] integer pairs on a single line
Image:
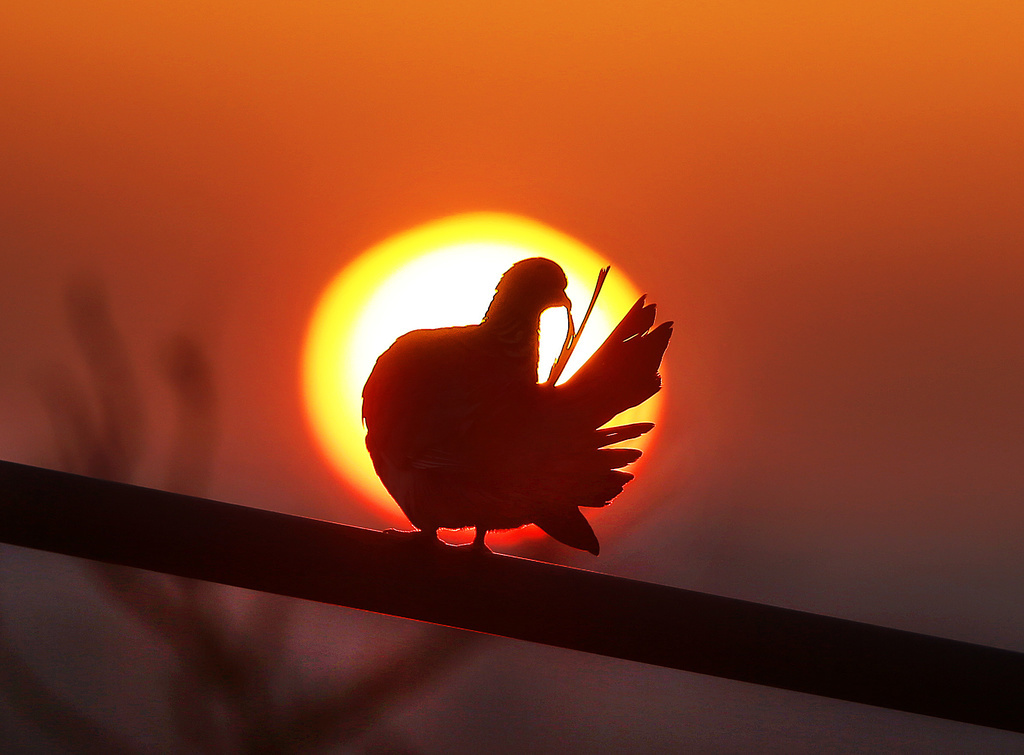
{"points": [[441, 417], [623, 372], [434, 397]]}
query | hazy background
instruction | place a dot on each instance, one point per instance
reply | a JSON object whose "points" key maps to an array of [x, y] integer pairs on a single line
{"points": [[827, 199]]}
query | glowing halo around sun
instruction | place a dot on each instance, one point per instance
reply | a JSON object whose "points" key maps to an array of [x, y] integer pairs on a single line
{"points": [[439, 274]]}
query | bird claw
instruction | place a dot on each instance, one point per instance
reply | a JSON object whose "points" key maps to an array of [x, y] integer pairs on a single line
{"points": [[428, 539]]}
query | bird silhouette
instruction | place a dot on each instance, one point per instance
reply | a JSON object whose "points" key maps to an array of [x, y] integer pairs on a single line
{"points": [[462, 434]]}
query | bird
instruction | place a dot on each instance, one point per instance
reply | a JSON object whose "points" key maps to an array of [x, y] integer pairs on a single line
{"points": [[463, 434]]}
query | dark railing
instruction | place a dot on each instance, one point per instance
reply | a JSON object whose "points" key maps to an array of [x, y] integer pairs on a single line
{"points": [[510, 597]]}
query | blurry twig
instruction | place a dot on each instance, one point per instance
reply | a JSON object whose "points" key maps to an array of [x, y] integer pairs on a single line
{"points": [[230, 690]]}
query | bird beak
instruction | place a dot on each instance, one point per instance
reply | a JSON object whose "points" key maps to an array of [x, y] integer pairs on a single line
{"points": [[565, 302], [563, 356]]}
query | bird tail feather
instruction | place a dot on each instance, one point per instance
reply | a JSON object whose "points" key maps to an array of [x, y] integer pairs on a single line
{"points": [[623, 372], [580, 469], [569, 526]]}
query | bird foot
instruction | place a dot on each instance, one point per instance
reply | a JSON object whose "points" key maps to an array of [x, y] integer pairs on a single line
{"points": [[429, 539], [478, 546]]}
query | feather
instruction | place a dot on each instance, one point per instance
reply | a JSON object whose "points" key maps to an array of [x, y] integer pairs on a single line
{"points": [[570, 527]]}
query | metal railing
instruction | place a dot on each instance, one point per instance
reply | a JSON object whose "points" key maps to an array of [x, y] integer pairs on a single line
{"points": [[511, 597]]}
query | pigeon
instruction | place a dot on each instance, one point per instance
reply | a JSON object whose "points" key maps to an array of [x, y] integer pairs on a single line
{"points": [[462, 434]]}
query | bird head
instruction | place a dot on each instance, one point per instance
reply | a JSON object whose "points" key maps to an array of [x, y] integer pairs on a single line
{"points": [[528, 288]]}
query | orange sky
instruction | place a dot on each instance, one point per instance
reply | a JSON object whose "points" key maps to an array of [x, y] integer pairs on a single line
{"points": [[828, 202], [806, 187]]}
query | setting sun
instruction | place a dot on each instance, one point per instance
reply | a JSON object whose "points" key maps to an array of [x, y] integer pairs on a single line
{"points": [[436, 275]]}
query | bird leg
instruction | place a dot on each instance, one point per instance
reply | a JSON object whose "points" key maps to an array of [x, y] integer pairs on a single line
{"points": [[478, 541]]}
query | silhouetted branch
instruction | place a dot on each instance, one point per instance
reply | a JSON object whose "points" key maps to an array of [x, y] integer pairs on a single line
{"points": [[119, 422], [190, 375], [512, 597]]}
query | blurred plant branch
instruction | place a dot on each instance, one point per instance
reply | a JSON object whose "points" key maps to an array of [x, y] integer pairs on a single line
{"points": [[222, 694]]}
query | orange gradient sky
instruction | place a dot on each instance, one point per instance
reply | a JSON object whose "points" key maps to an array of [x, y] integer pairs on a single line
{"points": [[825, 197], [805, 186], [766, 170]]}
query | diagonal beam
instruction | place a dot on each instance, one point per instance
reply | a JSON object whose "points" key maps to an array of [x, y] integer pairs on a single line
{"points": [[511, 597]]}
